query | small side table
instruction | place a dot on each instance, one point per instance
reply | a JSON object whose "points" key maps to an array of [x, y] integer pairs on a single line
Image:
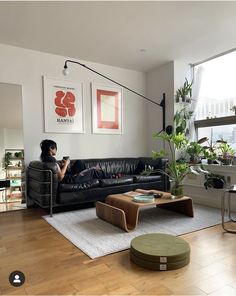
{"points": [[226, 198]]}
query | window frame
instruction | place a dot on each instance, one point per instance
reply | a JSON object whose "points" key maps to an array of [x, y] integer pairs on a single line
{"points": [[227, 120]]}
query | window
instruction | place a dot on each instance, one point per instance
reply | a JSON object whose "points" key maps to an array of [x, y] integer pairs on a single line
{"points": [[219, 132], [215, 89], [215, 95]]}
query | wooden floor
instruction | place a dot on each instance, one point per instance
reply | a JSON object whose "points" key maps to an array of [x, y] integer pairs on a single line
{"points": [[11, 206], [52, 265]]}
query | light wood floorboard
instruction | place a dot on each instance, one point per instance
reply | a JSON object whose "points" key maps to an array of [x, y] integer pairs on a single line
{"points": [[52, 265], [11, 206]]}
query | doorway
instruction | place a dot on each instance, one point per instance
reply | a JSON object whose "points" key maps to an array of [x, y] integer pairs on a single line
{"points": [[12, 170]]}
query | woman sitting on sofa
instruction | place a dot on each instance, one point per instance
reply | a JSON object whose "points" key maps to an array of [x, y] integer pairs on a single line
{"points": [[76, 173]]}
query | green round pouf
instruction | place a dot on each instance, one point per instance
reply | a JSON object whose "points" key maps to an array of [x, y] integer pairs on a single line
{"points": [[159, 251]]}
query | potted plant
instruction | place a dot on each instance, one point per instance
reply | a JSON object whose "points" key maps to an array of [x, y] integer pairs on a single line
{"points": [[7, 159], [226, 152], [233, 109], [214, 181], [195, 150], [209, 150], [176, 171], [185, 92]]}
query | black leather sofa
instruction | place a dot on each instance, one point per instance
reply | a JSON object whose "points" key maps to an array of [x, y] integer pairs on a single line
{"points": [[44, 189]]}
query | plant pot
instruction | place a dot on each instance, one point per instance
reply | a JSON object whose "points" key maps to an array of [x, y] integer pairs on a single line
{"points": [[217, 183], [177, 190], [226, 161], [209, 161], [186, 99], [194, 159]]}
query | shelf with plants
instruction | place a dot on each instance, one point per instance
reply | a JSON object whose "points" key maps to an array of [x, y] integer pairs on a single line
{"points": [[14, 165], [17, 158], [14, 168]]}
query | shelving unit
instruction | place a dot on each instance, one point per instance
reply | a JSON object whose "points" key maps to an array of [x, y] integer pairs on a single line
{"points": [[14, 165]]}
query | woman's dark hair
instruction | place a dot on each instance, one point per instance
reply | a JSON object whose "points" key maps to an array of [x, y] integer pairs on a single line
{"points": [[45, 146]]}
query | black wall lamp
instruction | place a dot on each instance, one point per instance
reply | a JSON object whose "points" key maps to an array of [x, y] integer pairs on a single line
{"points": [[162, 104]]}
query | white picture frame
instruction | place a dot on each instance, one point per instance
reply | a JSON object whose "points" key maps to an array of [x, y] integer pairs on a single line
{"points": [[107, 109], [63, 106]]}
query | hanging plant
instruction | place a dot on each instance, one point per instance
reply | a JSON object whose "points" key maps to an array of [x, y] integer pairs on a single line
{"points": [[181, 120]]}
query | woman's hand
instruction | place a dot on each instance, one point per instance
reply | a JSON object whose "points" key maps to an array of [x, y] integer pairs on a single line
{"points": [[66, 162], [62, 170]]}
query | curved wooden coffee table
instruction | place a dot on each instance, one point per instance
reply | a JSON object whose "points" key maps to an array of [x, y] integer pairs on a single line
{"points": [[122, 211]]}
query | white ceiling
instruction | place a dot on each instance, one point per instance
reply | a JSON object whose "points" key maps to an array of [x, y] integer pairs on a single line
{"points": [[11, 106], [114, 32]]}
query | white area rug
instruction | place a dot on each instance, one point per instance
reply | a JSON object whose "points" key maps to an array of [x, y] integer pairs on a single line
{"points": [[97, 238]]}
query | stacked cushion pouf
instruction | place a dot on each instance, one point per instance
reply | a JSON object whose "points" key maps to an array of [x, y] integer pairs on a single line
{"points": [[158, 251]]}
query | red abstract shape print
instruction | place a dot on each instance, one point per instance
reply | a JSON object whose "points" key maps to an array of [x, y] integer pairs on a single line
{"points": [[65, 103]]}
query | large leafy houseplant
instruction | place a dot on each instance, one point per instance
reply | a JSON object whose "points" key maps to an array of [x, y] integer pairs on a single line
{"points": [[175, 170]]}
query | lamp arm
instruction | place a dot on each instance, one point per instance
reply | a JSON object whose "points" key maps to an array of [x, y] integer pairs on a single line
{"points": [[162, 104]]}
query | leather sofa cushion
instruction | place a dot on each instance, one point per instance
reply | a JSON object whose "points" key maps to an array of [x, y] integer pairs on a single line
{"points": [[145, 179], [63, 187], [159, 163], [116, 182], [125, 166], [95, 194]]}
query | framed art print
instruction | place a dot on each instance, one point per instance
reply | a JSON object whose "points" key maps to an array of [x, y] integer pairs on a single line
{"points": [[63, 106], [106, 109]]}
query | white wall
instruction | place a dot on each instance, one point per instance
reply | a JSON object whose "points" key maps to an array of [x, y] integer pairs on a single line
{"points": [[26, 67], [194, 186], [164, 79], [182, 70], [159, 81], [13, 138], [11, 106]]}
